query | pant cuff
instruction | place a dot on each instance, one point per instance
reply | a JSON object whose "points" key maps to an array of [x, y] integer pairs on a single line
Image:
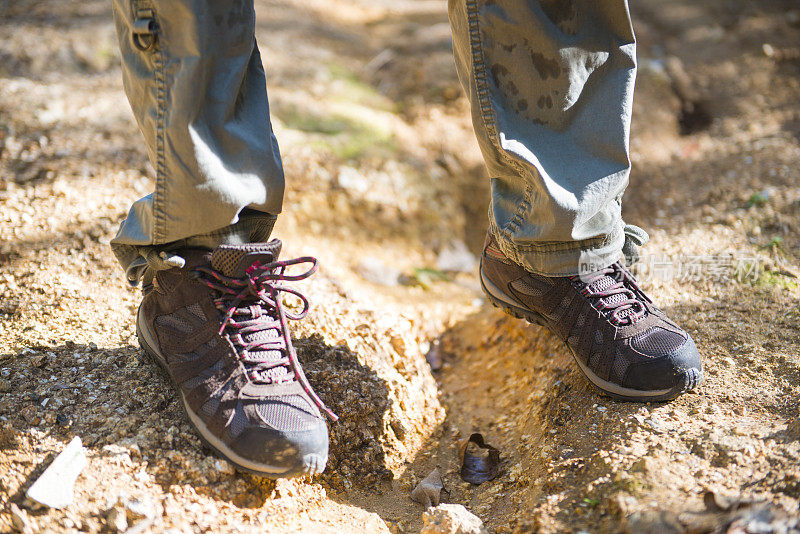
{"points": [[252, 227], [555, 258]]}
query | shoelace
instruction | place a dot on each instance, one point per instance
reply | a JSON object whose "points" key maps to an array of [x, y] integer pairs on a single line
{"points": [[262, 311], [629, 308]]}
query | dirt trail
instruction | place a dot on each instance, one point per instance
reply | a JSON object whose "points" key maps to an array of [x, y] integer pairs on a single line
{"points": [[384, 176]]}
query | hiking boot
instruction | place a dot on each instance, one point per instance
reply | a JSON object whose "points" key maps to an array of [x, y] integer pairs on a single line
{"points": [[219, 330], [625, 346]]}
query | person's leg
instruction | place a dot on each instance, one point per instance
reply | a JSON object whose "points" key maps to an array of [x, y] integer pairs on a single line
{"points": [[550, 84], [199, 96], [212, 315], [551, 88]]}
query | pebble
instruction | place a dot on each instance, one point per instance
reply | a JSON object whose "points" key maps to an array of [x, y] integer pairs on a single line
{"points": [[117, 519], [224, 467], [377, 272], [621, 504], [64, 420], [661, 522], [20, 520], [451, 519], [456, 258], [657, 426], [54, 488]]}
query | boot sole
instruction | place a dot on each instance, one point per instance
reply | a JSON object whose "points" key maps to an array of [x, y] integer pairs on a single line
{"points": [[312, 463], [688, 380]]}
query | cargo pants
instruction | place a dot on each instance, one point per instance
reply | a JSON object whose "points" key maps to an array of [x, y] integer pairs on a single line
{"points": [[550, 83]]}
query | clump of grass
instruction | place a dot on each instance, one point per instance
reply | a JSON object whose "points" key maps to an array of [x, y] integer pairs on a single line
{"points": [[758, 200], [348, 137], [356, 121], [347, 86], [779, 279]]}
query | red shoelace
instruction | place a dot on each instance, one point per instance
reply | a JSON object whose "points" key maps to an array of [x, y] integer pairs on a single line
{"points": [[251, 305]]}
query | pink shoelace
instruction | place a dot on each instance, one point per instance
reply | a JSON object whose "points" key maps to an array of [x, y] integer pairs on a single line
{"points": [[252, 305], [620, 298]]}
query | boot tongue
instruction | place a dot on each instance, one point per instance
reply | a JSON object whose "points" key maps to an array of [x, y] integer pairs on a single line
{"points": [[234, 260], [603, 282]]}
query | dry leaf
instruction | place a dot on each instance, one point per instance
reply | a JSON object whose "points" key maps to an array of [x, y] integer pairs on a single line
{"points": [[429, 489], [480, 461]]}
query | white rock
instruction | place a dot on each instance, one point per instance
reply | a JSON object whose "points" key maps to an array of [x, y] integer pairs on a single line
{"points": [[377, 272], [137, 509], [456, 258], [224, 467], [54, 488], [451, 519]]}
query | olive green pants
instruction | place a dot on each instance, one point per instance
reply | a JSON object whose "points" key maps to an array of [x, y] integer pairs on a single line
{"points": [[550, 84]]}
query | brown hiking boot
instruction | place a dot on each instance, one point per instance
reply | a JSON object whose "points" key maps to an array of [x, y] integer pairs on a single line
{"points": [[624, 345], [219, 330]]}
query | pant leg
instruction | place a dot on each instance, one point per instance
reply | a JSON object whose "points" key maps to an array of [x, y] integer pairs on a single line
{"points": [[199, 96], [550, 84]]}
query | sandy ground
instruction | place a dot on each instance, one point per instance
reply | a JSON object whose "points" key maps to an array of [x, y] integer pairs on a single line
{"points": [[383, 178]]}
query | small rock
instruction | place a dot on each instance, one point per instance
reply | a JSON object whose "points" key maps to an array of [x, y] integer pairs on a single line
{"points": [[429, 489], [136, 509], [30, 414], [377, 272], [657, 426], [645, 464], [451, 519], [5, 385], [398, 344], [434, 356], [224, 467], [20, 520], [456, 258], [117, 519], [652, 522], [793, 428], [621, 504], [54, 488]]}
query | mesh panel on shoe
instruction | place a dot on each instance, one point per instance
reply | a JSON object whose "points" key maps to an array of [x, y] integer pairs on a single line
{"points": [[176, 321], [199, 352], [202, 377], [196, 310], [562, 307], [620, 364], [594, 360], [183, 358], [277, 374], [225, 258], [288, 413], [531, 286], [603, 283], [657, 342]]}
